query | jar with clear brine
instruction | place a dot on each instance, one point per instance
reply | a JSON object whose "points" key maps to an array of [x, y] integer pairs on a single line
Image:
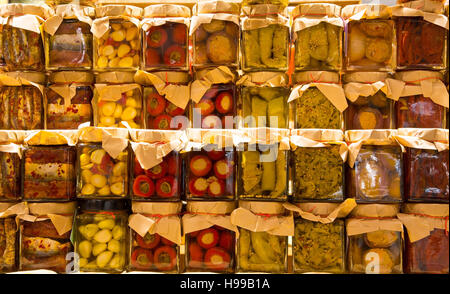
{"points": [[265, 39], [101, 236], [119, 46], [69, 97], [318, 172], [312, 106], [262, 173], [10, 174], [49, 173], [370, 40], [165, 37], [317, 32], [21, 101], [45, 244], [99, 174], [377, 172], [215, 34], [211, 173], [377, 251], [117, 98], [263, 100], [419, 108], [69, 45]]}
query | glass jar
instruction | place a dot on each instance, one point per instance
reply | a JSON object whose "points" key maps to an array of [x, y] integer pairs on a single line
{"points": [[210, 174], [373, 111], [21, 103], [49, 173], [100, 236], [371, 40], [68, 111], [313, 109], [100, 175], [165, 37], [262, 173], [10, 176], [418, 111], [377, 175], [317, 32], [318, 247], [215, 34], [70, 47], [211, 249], [118, 48], [426, 175], [261, 252], [421, 44], [8, 244], [161, 113], [161, 182], [378, 252], [118, 99], [264, 106], [318, 173], [217, 107]]}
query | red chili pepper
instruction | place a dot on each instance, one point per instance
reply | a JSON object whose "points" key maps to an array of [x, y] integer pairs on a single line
{"points": [[216, 188], [175, 56], [223, 169], [216, 155], [155, 104], [226, 240], [208, 238], [179, 32], [143, 186], [149, 241], [158, 171], [141, 259], [173, 110], [162, 122], [165, 258], [224, 102], [152, 57], [200, 165], [217, 259], [206, 106], [166, 187], [198, 186], [156, 37]]}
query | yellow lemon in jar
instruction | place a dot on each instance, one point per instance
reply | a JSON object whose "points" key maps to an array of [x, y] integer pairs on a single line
{"points": [[112, 55], [103, 258], [107, 120], [132, 33], [119, 169], [88, 189], [126, 62], [108, 108], [107, 50], [117, 188], [118, 111], [129, 113], [102, 62], [97, 156], [105, 191], [116, 26], [86, 176], [118, 35], [114, 179], [84, 159], [98, 181], [114, 62], [131, 102], [123, 50], [115, 261]]}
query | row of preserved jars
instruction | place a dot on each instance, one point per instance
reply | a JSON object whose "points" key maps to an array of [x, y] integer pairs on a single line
{"points": [[318, 101], [382, 39], [379, 173], [104, 242]]}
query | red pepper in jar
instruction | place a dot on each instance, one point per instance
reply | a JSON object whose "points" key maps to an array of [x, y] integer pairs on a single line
{"points": [[200, 165], [175, 56], [156, 37], [208, 238], [152, 57], [149, 241], [162, 122], [217, 259], [198, 186], [141, 259], [143, 187], [173, 110], [226, 240], [224, 102], [206, 106], [155, 104], [216, 187], [166, 187], [158, 171], [138, 170], [172, 165], [195, 255], [223, 169], [165, 258], [216, 155], [179, 33]]}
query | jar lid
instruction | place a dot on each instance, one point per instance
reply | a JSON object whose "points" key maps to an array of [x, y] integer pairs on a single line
{"points": [[368, 11], [264, 10], [427, 209], [416, 76], [316, 10], [103, 204], [18, 9], [366, 77], [34, 77], [74, 10], [118, 10], [115, 77], [71, 77], [175, 77], [167, 10], [216, 7], [375, 210], [212, 207], [316, 77]]}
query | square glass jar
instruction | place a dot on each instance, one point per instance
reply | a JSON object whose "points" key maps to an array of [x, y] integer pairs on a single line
{"points": [[261, 252], [162, 182], [419, 112], [210, 174], [99, 175], [49, 173], [210, 250]]}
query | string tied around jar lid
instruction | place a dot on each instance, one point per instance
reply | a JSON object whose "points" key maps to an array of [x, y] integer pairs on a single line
{"points": [[160, 216], [422, 79], [113, 214], [268, 215]]}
